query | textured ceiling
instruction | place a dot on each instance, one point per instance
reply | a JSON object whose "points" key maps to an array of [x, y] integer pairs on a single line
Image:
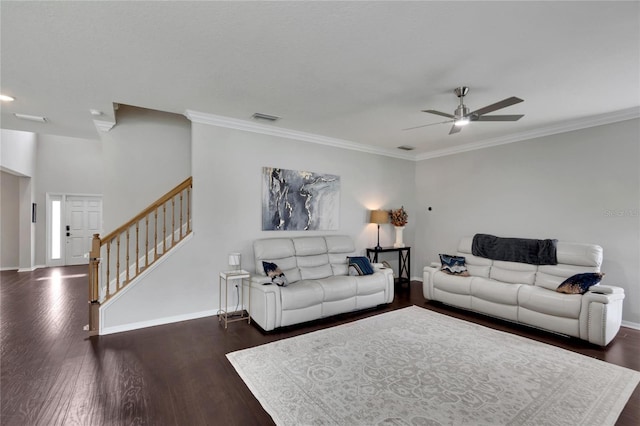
{"points": [[354, 71]]}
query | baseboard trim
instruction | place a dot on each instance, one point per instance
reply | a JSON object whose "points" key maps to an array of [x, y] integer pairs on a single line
{"points": [[158, 321], [630, 324]]}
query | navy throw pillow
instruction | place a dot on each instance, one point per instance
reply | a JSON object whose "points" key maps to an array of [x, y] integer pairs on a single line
{"points": [[580, 283], [360, 265]]}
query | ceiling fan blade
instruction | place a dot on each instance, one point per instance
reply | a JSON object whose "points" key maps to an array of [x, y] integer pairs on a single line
{"points": [[426, 125], [498, 105], [455, 129], [443, 114], [514, 117]]}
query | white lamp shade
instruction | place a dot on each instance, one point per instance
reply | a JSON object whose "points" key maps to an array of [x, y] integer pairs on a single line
{"points": [[234, 259]]}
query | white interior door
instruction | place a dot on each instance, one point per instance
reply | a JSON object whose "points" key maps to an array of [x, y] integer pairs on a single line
{"points": [[84, 218]]}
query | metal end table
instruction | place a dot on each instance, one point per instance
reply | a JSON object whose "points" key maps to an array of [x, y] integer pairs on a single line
{"points": [[223, 313]]}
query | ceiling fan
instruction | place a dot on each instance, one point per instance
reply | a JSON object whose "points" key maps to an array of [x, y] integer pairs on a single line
{"points": [[461, 116]]}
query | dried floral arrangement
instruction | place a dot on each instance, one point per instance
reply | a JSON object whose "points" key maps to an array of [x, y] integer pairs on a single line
{"points": [[398, 216]]}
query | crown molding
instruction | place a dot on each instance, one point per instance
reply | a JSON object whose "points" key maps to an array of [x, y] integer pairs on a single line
{"points": [[104, 126], [568, 126], [249, 126]]}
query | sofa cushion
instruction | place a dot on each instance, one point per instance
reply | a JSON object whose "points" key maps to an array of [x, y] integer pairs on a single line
{"points": [[339, 247], [338, 288], [549, 302], [301, 294], [513, 272], [579, 254], [339, 244], [313, 260], [370, 284], [316, 272], [495, 291], [452, 283], [580, 283], [453, 265], [279, 251], [312, 257], [476, 265], [340, 268], [273, 248], [307, 246]]}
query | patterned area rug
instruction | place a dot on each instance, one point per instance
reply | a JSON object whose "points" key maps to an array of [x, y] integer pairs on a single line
{"points": [[416, 367]]}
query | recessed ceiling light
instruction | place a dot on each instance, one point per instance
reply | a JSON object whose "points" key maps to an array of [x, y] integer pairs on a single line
{"points": [[31, 117], [7, 98]]}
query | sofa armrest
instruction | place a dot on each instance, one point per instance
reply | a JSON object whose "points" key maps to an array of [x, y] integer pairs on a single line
{"points": [[605, 289], [604, 294], [257, 280], [427, 281], [601, 314], [388, 273], [265, 307]]}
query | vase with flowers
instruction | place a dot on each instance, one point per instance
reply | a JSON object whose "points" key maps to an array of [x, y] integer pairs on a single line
{"points": [[398, 220]]}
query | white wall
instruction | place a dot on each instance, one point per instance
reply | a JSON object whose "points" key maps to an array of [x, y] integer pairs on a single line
{"points": [[18, 152], [145, 155], [9, 221], [579, 186], [46, 163], [64, 166], [227, 166], [18, 157]]}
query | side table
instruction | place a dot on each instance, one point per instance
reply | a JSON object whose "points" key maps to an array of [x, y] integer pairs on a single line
{"points": [[404, 260], [239, 315]]}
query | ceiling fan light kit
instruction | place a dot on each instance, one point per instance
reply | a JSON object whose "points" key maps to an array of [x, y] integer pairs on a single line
{"points": [[461, 116], [463, 121]]}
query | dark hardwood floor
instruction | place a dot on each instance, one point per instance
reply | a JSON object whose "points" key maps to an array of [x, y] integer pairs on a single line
{"points": [[177, 374]]}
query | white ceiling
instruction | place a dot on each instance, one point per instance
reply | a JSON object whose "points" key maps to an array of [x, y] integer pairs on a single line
{"points": [[355, 71]]}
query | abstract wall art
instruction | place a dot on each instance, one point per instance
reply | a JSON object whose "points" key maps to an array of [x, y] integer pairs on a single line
{"points": [[295, 200]]}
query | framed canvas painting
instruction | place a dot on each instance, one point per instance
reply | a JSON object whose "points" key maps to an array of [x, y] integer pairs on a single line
{"points": [[295, 200]]}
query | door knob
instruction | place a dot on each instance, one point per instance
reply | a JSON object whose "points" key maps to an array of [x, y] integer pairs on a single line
{"points": [[68, 234]]}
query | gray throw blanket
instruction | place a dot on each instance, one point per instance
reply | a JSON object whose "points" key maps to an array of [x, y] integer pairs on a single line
{"points": [[535, 252]]}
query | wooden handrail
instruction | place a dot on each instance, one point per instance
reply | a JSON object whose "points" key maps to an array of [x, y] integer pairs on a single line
{"points": [[158, 203], [114, 278]]}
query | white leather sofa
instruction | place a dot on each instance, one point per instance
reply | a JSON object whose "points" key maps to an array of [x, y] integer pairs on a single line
{"points": [[525, 293], [319, 285]]}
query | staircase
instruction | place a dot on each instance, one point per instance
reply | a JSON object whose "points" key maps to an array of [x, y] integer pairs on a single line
{"points": [[122, 255]]}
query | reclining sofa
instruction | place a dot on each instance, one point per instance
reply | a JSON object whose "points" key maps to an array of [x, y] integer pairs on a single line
{"points": [[316, 269], [526, 293]]}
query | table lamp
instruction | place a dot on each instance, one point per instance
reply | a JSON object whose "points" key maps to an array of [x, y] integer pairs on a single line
{"points": [[378, 217], [234, 261]]}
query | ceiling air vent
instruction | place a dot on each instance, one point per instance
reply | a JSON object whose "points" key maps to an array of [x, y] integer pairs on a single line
{"points": [[406, 147], [265, 117]]}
